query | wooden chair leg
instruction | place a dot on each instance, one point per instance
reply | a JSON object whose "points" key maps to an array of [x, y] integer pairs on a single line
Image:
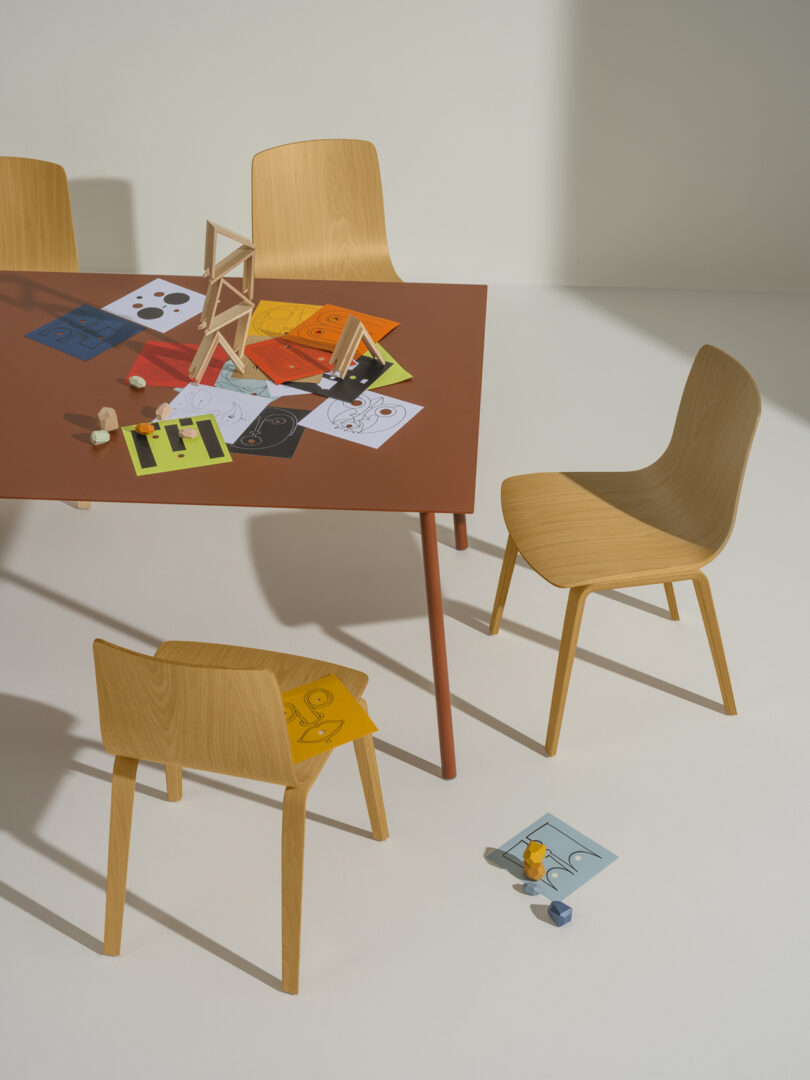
{"points": [[509, 556], [367, 764], [293, 821], [123, 794], [565, 661], [704, 596], [669, 589], [174, 782]]}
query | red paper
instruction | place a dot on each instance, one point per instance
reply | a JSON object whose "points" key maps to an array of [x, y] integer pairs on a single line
{"points": [[165, 363], [282, 361]]}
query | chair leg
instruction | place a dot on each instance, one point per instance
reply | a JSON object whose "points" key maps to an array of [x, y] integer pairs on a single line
{"points": [[509, 556], [460, 530], [669, 589], [174, 782], [123, 794], [704, 596], [293, 821], [565, 661], [367, 764]]}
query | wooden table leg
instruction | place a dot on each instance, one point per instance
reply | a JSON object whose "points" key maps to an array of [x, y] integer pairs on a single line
{"points": [[438, 648], [460, 528]]}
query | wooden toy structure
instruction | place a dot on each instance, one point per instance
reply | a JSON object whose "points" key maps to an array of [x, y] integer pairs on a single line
{"points": [[214, 323], [352, 335]]}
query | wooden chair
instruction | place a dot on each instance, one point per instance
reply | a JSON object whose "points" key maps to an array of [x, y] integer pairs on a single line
{"points": [[216, 708], [36, 225], [589, 531], [318, 212]]}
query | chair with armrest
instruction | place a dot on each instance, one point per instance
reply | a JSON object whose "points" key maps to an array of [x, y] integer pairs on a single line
{"points": [[217, 708], [590, 531], [36, 224]]}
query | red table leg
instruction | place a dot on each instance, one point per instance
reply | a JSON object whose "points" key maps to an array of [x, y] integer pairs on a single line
{"points": [[460, 528], [441, 683]]}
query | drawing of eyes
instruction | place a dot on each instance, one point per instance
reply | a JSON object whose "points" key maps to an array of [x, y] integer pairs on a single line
{"points": [[321, 732], [318, 699]]}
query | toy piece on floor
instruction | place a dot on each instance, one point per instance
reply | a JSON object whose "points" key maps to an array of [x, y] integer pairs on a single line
{"points": [[163, 449], [163, 411], [98, 438], [532, 888], [107, 419], [533, 861], [137, 382], [559, 913], [240, 313], [352, 336]]}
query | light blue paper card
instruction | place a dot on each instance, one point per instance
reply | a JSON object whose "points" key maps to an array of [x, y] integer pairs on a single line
{"points": [[571, 857]]}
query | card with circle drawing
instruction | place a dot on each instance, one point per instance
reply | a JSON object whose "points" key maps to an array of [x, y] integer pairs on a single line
{"points": [[158, 305]]}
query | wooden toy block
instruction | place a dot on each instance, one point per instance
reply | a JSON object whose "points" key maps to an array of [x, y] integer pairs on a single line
{"points": [[351, 336], [187, 432], [214, 322], [162, 412], [559, 913], [107, 419]]}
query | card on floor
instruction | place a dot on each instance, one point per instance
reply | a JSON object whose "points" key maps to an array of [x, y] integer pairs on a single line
{"points": [[85, 332], [166, 363], [361, 375], [159, 304], [369, 420], [276, 432]]}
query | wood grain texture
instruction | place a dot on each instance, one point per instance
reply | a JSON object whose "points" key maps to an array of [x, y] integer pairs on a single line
{"points": [[438, 646], [217, 708], [36, 223], [318, 212], [504, 581], [589, 531], [121, 800]]}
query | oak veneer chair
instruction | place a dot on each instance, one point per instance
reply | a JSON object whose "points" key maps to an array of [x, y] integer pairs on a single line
{"points": [[318, 212], [36, 224], [589, 531], [216, 708]]}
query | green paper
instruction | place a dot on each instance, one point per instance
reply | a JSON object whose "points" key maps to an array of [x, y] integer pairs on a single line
{"points": [[207, 449], [396, 373]]}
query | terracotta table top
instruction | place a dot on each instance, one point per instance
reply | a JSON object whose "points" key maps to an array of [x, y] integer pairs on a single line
{"points": [[50, 401]]}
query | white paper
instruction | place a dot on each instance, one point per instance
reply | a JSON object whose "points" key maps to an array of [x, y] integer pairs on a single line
{"points": [[370, 420], [159, 305], [234, 412]]}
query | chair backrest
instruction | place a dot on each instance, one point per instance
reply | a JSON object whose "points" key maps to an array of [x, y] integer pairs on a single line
{"points": [[318, 212], [225, 720], [36, 224], [704, 464]]}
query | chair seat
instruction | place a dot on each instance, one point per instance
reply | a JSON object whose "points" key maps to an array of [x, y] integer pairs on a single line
{"points": [[290, 671], [585, 528]]}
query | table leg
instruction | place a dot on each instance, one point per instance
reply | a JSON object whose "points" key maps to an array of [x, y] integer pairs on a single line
{"points": [[441, 683], [460, 528]]}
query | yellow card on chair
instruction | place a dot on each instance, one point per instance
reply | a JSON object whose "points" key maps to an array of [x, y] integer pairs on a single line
{"points": [[322, 715]]}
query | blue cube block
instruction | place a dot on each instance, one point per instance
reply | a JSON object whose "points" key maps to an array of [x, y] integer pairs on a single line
{"points": [[559, 912]]}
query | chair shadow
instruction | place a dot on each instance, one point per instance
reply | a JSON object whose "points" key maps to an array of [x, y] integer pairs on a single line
{"points": [[479, 620]]}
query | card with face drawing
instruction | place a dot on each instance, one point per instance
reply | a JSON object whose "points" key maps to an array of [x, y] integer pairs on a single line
{"points": [[370, 420], [233, 412], [275, 432], [158, 305]]}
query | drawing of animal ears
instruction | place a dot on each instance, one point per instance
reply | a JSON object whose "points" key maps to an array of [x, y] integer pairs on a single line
{"points": [[318, 698], [291, 713]]}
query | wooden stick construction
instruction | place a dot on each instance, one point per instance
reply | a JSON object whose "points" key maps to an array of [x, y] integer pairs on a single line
{"points": [[214, 322], [352, 335]]}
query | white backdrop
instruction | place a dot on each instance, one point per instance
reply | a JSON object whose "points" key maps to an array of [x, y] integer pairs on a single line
{"points": [[588, 142]]}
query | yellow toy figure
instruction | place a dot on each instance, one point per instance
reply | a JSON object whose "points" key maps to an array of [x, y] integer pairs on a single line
{"points": [[533, 860]]}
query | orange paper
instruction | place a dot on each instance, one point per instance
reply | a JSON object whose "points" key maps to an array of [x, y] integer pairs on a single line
{"points": [[322, 715], [323, 329]]}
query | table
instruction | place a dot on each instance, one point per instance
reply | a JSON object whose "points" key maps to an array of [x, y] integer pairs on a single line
{"points": [[427, 467]]}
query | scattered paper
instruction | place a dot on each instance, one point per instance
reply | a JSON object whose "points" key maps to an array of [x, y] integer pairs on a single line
{"points": [[233, 411], [323, 329], [360, 376], [571, 857], [274, 317], [164, 450], [282, 360], [158, 305], [230, 380], [322, 715], [396, 373], [369, 420], [85, 332], [166, 363], [276, 432]]}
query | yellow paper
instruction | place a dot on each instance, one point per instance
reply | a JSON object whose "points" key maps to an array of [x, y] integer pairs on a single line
{"points": [[395, 374], [322, 715], [272, 318]]}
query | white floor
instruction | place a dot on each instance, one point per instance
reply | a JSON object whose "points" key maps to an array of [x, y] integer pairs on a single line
{"points": [[686, 957]]}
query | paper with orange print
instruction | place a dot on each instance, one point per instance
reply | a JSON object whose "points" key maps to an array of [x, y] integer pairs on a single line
{"points": [[323, 329], [322, 715]]}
